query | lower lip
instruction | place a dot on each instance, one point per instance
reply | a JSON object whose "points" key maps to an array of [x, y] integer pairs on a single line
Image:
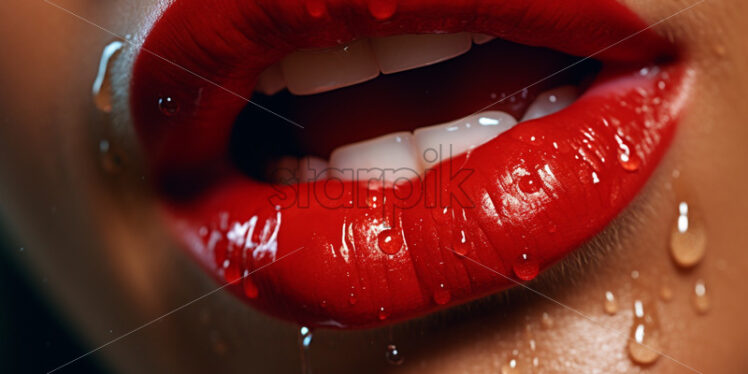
{"points": [[316, 253]]}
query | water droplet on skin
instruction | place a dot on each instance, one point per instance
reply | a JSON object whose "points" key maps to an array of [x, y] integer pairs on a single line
{"points": [[666, 293], [720, 50], [110, 159], [526, 267], [168, 106], [700, 298], [383, 314], [687, 238], [250, 288], [510, 367], [382, 9], [393, 355], [102, 88], [546, 321], [305, 341], [442, 295], [635, 274], [529, 184], [352, 299], [611, 304], [389, 241], [316, 8], [643, 341]]}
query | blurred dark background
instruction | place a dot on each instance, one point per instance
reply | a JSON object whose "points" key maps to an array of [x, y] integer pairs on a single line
{"points": [[35, 337]]}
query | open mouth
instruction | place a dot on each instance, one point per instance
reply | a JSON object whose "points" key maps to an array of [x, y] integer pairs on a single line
{"points": [[397, 158]]}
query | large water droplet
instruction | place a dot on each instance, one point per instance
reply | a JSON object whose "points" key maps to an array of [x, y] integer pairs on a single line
{"points": [[305, 341], [389, 241], [168, 106], [352, 299], [316, 8], [250, 288], [611, 304], [687, 238], [643, 345], [102, 88], [382, 9], [526, 267], [442, 295], [701, 301], [393, 355]]}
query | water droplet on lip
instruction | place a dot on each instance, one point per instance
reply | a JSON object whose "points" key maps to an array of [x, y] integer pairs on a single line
{"points": [[383, 314], [526, 267], [382, 9], [393, 355], [250, 288], [316, 8], [389, 241], [687, 238], [629, 162], [461, 245], [529, 184], [442, 295], [167, 105]]}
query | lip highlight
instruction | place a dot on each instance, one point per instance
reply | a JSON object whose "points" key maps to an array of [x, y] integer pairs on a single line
{"points": [[365, 256]]}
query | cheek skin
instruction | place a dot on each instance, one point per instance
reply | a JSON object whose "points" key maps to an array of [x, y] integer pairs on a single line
{"points": [[111, 268]]}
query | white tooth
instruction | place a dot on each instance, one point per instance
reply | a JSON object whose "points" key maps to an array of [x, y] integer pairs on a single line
{"points": [[311, 169], [271, 81], [550, 102], [438, 143], [390, 157], [315, 71], [482, 38], [403, 52]]}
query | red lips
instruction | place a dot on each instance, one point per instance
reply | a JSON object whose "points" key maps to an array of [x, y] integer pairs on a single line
{"points": [[349, 256]]}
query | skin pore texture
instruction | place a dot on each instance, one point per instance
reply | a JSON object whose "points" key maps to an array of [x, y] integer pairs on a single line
{"points": [[96, 237]]}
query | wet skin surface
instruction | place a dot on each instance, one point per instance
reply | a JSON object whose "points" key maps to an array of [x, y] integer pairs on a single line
{"points": [[110, 266]]}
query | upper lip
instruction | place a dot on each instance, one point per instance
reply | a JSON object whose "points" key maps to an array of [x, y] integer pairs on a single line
{"points": [[532, 194]]}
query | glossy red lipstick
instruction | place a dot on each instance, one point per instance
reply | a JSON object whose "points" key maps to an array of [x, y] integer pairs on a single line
{"points": [[370, 256]]}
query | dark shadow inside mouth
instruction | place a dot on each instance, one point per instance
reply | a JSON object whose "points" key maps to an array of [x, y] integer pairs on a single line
{"points": [[499, 75]]}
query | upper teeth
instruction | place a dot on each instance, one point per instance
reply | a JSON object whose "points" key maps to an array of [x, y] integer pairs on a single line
{"points": [[401, 155], [315, 71]]}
